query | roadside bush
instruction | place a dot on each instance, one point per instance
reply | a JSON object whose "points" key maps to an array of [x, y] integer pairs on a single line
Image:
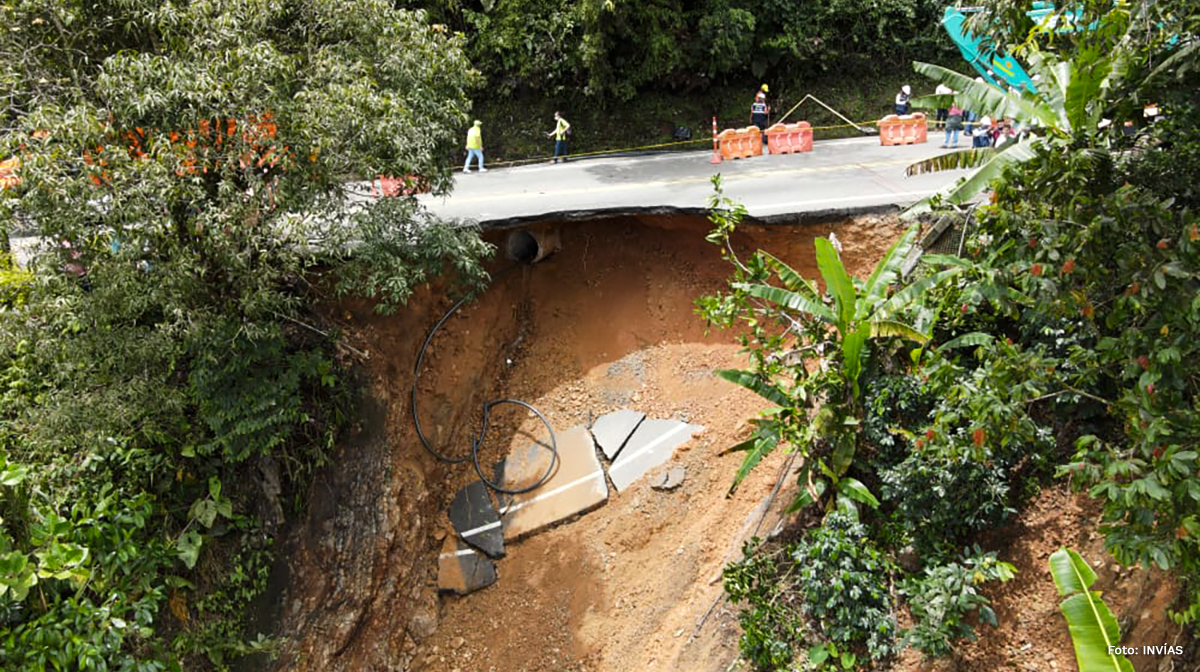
{"points": [[844, 580], [943, 501], [943, 598], [772, 621], [893, 405]]}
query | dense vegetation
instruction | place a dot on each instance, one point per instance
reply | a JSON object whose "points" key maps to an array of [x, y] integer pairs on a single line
{"points": [[164, 391], [927, 410], [625, 72]]}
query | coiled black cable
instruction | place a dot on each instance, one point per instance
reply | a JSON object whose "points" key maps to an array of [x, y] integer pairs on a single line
{"points": [[477, 442]]}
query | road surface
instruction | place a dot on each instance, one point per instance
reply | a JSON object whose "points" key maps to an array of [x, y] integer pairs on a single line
{"points": [[837, 177]]}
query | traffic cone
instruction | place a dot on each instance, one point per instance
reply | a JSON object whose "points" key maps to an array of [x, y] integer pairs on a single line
{"points": [[716, 157]]}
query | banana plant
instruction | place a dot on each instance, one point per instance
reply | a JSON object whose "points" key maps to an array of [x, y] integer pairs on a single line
{"points": [[1094, 631], [1067, 111], [853, 314]]}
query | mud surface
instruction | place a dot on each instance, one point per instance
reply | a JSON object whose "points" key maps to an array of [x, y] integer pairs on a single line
{"points": [[607, 323]]}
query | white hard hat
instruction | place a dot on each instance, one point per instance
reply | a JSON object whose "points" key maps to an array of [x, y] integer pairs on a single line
{"points": [[906, 89]]}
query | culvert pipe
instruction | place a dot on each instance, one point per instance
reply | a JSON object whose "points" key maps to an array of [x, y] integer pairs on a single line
{"points": [[529, 246]]}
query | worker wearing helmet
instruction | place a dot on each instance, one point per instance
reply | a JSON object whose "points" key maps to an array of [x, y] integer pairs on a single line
{"points": [[759, 110], [902, 106]]}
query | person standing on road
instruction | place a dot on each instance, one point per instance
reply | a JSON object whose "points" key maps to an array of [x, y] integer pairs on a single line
{"points": [[562, 131], [954, 124], [902, 100], [759, 111], [475, 147], [942, 90]]}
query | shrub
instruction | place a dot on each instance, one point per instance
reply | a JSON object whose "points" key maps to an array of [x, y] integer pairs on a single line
{"points": [[844, 581], [944, 596], [892, 403], [772, 622], [945, 500]]}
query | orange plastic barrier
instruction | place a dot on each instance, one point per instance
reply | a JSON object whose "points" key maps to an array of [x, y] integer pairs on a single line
{"points": [[740, 143], [905, 130], [790, 138]]}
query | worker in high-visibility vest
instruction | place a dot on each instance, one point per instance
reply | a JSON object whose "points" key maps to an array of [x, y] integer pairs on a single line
{"points": [[475, 147], [561, 132], [759, 111]]}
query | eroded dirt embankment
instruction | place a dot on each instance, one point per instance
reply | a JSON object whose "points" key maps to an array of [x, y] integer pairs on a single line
{"points": [[606, 323]]}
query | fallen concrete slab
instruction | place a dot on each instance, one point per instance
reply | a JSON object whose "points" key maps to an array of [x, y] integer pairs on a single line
{"points": [[612, 430], [651, 445], [476, 521], [462, 569], [576, 486]]}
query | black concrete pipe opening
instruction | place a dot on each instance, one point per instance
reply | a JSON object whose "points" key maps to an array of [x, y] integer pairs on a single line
{"points": [[530, 247]]}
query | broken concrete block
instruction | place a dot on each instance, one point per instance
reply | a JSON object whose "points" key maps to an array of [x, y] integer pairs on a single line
{"points": [[613, 429], [651, 445], [476, 521], [462, 569], [576, 486], [669, 479]]}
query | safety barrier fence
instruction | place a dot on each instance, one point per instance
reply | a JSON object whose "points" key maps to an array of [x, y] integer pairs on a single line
{"points": [[740, 143], [790, 138], [395, 185], [909, 129]]}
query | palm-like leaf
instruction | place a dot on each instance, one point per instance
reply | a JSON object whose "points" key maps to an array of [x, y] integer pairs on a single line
{"points": [[886, 271], [1089, 76], [1094, 630], [789, 277], [756, 384], [758, 446], [985, 98], [970, 158], [837, 282], [902, 299], [788, 299], [964, 189], [886, 328]]}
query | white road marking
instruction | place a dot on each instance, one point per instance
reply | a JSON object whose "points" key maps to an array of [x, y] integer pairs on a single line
{"points": [[624, 459], [540, 497]]}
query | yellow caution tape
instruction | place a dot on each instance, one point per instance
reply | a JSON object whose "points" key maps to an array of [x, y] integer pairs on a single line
{"points": [[602, 152]]}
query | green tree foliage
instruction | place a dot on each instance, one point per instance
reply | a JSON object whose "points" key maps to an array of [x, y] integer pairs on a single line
{"points": [[842, 574], [1084, 94], [1064, 344], [810, 350], [615, 49], [185, 164], [944, 597]]}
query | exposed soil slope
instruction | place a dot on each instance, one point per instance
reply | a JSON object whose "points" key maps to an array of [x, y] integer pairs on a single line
{"points": [[607, 323]]}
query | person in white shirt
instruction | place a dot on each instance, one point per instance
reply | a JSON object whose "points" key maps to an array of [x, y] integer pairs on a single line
{"points": [[942, 112], [902, 106]]}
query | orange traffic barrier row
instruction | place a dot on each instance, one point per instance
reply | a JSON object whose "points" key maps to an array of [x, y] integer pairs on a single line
{"points": [[905, 130], [740, 143], [790, 138]]}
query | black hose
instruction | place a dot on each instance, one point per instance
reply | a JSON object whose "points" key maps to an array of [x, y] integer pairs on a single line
{"points": [[477, 442]]}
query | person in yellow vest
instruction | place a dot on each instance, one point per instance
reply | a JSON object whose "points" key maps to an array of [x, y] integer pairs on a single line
{"points": [[475, 147], [562, 131]]}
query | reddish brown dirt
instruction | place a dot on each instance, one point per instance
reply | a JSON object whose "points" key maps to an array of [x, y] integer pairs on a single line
{"points": [[1033, 633], [610, 324], [607, 323]]}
